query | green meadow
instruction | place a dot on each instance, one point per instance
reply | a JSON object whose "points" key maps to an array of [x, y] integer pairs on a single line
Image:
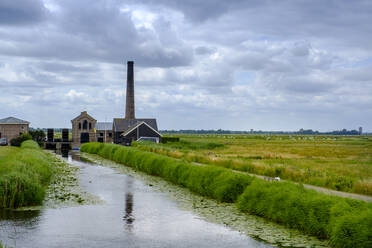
{"points": [[344, 222], [25, 173], [341, 163]]}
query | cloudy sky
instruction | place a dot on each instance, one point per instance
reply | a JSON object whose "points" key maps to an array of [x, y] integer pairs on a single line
{"points": [[238, 64]]}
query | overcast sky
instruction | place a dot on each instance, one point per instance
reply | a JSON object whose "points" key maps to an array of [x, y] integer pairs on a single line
{"points": [[238, 64]]}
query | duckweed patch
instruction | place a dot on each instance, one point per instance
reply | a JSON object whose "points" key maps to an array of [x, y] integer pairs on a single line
{"points": [[64, 189]]}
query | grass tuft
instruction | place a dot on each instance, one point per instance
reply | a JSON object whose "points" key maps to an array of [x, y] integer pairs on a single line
{"points": [[30, 144], [24, 175]]}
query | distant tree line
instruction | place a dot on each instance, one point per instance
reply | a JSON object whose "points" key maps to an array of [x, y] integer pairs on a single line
{"points": [[301, 131]]}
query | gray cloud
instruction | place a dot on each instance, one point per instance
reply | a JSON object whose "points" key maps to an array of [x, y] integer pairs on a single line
{"points": [[21, 12], [99, 32]]}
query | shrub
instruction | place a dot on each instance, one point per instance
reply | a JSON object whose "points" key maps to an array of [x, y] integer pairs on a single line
{"points": [[165, 140], [310, 211], [18, 141], [38, 135], [30, 144]]}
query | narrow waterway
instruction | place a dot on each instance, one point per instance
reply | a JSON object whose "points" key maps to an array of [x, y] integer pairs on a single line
{"points": [[132, 214]]}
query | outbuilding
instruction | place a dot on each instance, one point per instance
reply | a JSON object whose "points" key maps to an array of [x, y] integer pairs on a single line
{"points": [[135, 129], [104, 132], [12, 127]]}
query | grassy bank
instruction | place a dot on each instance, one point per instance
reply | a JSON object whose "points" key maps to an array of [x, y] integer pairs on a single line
{"points": [[24, 174], [336, 162], [344, 222]]}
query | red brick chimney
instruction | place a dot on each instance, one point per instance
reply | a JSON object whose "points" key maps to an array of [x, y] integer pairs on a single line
{"points": [[129, 110]]}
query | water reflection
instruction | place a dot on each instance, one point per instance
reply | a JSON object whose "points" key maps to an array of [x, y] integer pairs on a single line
{"points": [[14, 222], [74, 156], [23, 216], [129, 217], [64, 153]]}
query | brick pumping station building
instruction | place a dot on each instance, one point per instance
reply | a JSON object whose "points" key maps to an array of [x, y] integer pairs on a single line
{"points": [[122, 130]]}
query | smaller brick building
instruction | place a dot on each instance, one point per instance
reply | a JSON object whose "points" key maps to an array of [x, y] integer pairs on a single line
{"points": [[86, 129], [83, 129], [12, 127]]}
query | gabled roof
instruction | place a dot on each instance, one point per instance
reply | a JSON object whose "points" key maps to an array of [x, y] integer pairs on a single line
{"points": [[103, 126], [83, 114], [13, 120], [122, 125], [136, 126]]}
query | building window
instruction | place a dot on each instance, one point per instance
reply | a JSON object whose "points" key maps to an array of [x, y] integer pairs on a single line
{"points": [[79, 125], [101, 134], [0, 135], [85, 124], [109, 135], [90, 125]]}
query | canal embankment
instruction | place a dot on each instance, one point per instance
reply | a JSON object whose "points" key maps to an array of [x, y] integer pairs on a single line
{"points": [[344, 222], [25, 173], [32, 177]]}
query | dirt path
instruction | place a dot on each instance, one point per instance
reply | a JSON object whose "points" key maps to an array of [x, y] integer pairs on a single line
{"points": [[319, 189]]}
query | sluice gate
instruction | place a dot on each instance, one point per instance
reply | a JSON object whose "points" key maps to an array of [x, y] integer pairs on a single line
{"points": [[63, 143]]}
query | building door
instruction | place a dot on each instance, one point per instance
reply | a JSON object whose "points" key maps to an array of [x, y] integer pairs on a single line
{"points": [[84, 138]]}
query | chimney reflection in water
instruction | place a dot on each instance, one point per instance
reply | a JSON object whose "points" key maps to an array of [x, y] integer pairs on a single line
{"points": [[128, 217]]}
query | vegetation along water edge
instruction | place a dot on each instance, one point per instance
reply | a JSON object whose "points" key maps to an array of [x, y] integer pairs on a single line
{"points": [[338, 163], [31, 177], [24, 175], [344, 222]]}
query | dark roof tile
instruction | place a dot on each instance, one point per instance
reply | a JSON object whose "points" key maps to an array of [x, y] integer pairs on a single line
{"points": [[122, 125], [13, 120]]}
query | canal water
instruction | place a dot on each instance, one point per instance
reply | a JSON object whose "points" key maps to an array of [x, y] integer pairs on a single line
{"points": [[132, 214]]}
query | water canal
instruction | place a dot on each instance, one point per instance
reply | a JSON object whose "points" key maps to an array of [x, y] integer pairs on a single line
{"points": [[136, 210]]}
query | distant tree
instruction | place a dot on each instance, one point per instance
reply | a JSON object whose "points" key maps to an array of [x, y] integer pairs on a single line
{"points": [[38, 135]]}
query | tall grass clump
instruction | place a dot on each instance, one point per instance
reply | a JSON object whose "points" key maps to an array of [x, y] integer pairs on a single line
{"points": [[345, 222], [30, 144], [24, 175]]}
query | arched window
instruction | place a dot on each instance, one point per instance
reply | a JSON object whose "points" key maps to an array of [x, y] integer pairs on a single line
{"points": [[85, 124], [90, 125], [79, 125]]}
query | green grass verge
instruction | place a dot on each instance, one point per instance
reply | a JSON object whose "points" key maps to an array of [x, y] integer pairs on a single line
{"points": [[24, 175], [30, 144], [219, 183], [345, 222]]}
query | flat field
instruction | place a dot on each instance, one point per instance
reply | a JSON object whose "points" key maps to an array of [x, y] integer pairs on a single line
{"points": [[342, 163]]}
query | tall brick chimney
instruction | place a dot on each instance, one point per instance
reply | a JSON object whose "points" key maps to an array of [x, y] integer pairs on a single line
{"points": [[129, 110]]}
